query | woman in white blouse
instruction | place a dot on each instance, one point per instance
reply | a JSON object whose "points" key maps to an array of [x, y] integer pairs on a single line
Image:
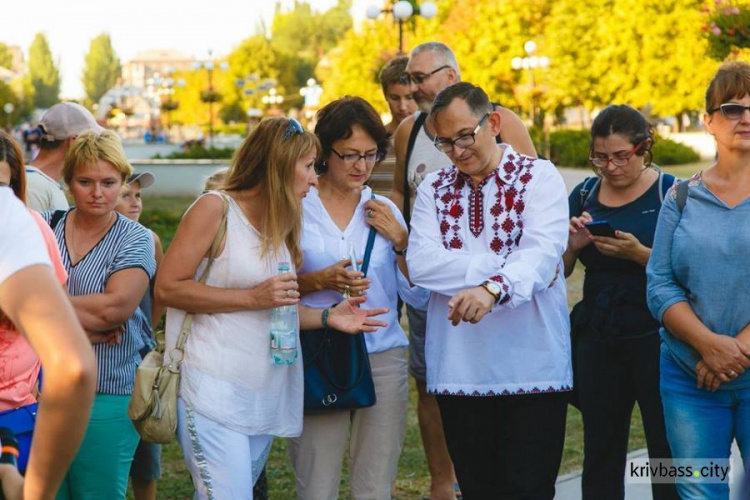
{"points": [[336, 217]]}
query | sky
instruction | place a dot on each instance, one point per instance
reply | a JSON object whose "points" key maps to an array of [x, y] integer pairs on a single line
{"points": [[190, 26]]}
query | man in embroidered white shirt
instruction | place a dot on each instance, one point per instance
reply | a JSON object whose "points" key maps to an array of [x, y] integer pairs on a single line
{"points": [[488, 234]]}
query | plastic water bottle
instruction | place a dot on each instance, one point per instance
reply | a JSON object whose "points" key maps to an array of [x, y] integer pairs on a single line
{"points": [[284, 329]]}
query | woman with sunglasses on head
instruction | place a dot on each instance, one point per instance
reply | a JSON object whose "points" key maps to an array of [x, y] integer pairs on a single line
{"points": [[338, 217], [616, 341], [697, 288], [232, 398]]}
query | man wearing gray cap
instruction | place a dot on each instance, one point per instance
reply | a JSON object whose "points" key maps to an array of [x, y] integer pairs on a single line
{"points": [[58, 126]]}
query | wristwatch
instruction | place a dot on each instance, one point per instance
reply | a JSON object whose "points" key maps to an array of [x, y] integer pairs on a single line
{"points": [[494, 289], [400, 252]]}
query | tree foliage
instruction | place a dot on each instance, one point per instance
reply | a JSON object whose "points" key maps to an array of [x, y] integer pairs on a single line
{"points": [[43, 74], [6, 58], [101, 68]]}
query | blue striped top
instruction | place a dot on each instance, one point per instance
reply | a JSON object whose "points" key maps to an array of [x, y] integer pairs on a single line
{"points": [[126, 245]]}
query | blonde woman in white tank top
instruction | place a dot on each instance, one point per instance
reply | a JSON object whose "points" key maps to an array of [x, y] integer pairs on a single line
{"points": [[232, 399]]}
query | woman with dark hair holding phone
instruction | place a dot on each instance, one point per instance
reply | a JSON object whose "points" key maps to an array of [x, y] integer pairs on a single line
{"points": [[616, 340]]}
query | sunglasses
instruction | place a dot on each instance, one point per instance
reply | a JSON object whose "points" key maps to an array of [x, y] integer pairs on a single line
{"points": [[294, 127], [731, 111]]}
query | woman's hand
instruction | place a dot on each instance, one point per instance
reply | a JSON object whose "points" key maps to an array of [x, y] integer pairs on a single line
{"points": [[578, 236], [706, 378], [338, 277], [380, 216], [623, 246], [109, 337], [349, 318], [726, 357], [279, 290]]}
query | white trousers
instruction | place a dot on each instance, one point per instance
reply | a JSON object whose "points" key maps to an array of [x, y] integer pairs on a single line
{"points": [[224, 464], [377, 435]]}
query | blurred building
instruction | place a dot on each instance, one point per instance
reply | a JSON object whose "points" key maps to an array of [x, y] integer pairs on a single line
{"points": [[149, 64]]}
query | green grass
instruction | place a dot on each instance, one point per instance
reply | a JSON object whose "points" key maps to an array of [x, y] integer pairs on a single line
{"points": [[162, 214]]}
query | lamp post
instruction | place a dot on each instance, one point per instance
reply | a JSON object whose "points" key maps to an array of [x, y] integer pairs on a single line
{"points": [[210, 96], [530, 63], [168, 104], [311, 92], [9, 108], [402, 11], [272, 98]]}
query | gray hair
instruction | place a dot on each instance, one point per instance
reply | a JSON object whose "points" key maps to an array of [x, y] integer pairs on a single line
{"points": [[444, 53]]}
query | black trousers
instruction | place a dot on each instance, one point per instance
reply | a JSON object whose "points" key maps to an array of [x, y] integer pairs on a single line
{"points": [[612, 377], [505, 447]]}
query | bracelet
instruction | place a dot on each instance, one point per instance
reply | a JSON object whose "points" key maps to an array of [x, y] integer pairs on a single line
{"points": [[324, 318], [400, 252]]}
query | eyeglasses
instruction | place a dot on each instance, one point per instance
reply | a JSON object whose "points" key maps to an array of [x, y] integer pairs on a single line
{"points": [[617, 161], [464, 141], [352, 158], [731, 111], [419, 78], [294, 127]]}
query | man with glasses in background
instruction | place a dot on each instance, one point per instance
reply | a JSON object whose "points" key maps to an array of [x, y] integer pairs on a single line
{"points": [[488, 234], [431, 68]]}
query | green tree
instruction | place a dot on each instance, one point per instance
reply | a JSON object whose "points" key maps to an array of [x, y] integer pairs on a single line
{"points": [[303, 36], [101, 68], [6, 59], [43, 73], [254, 68]]}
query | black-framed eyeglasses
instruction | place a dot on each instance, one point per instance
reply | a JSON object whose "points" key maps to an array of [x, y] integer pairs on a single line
{"points": [[463, 141], [618, 161], [352, 158], [731, 111], [294, 127], [419, 78]]}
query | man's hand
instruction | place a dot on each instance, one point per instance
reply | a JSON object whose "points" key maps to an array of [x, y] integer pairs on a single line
{"points": [[470, 305]]}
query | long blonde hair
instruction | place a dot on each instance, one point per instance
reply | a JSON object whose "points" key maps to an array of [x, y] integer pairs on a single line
{"points": [[267, 159]]}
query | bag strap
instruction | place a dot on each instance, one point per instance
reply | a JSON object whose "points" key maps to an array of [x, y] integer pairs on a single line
{"points": [[368, 248], [56, 218], [174, 365], [682, 195], [418, 124], [587, 190]]}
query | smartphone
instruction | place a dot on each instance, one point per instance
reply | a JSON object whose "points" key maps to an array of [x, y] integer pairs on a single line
{"points": [[601, 228]]}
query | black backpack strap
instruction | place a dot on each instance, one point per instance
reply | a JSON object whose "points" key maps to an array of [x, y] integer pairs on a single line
{"points": [[587, 190], [56, 218], [418, 124], [682, 195]]}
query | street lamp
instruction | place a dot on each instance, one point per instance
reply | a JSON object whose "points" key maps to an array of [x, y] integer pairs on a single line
{"points": [[9, 108], [210, 96], [311, 92], [272, 98], [530, 63], [164, 89], [402, 11]]}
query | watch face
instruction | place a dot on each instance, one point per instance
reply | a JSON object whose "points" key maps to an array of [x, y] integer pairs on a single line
{"points": [[494, 287]]}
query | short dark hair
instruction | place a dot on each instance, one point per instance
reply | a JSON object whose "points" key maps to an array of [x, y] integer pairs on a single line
{"points": [[392, 72], [336, 119], [476, 98], [628, 122]]}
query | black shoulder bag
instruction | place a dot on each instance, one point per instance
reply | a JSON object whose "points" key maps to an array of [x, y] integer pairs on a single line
{"points": [[337, 366]]}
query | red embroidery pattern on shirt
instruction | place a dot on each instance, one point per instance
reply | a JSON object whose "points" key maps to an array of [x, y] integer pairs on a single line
{"points": [[511, 180]]}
